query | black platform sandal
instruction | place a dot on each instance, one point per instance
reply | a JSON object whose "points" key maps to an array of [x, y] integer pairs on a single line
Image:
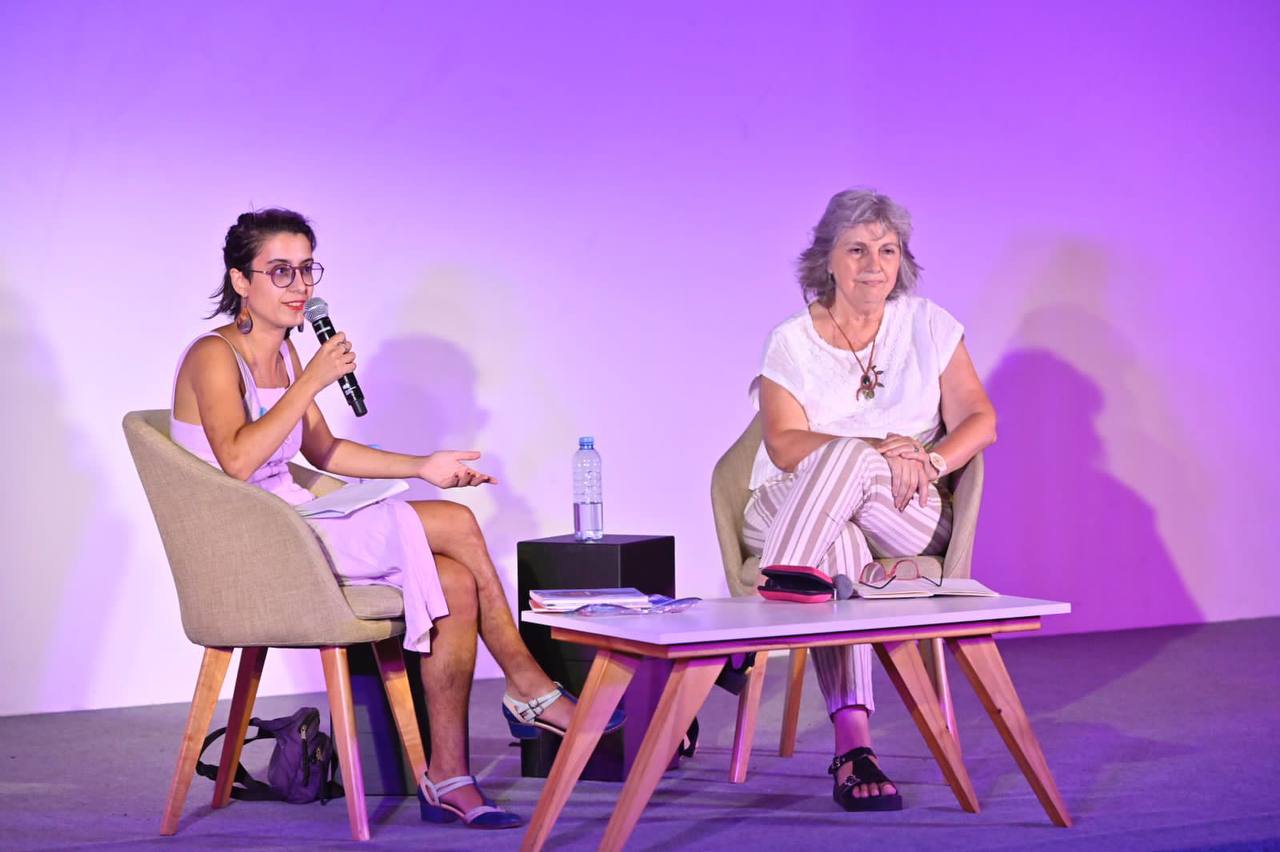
{"points": [[865, 771], [733, 679]]}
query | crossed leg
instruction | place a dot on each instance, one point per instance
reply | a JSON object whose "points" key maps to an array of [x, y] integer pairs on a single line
{"points": [[446, 679], [477, 605], [837, 513]]}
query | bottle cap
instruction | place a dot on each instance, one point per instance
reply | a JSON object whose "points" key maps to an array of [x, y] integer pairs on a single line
{"points": [[586, 442]]}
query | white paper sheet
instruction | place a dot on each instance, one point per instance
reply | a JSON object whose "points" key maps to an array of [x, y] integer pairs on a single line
{"points": [[349, 498]]}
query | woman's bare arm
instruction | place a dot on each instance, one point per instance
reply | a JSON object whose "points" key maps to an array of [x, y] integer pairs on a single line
{"points": [[351, 458], [787, 437], [241, 446], [966, 410]]}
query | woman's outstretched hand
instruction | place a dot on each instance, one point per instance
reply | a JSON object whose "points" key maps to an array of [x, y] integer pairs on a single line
{"points": [[445, 469]]}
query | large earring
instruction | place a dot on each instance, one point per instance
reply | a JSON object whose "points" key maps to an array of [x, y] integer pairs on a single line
{"points": [[244, 322]]}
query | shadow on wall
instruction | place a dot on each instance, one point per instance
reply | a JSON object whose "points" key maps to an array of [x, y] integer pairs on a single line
{"points": [[1055, 523], [422, 397], [64, 547], [1085, 420]]}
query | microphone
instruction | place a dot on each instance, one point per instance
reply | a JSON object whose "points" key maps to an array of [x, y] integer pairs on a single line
{"points": [[317, 313]]}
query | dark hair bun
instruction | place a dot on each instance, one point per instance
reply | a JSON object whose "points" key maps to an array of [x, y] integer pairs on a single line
{"points": [[244, 241]]}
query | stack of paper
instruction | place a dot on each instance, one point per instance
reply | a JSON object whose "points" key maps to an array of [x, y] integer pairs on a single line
{"points": [[348, 498], [566, 600]]}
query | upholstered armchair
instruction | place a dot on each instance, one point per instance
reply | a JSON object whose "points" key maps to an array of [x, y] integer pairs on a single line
{"points": [[251, 574]]}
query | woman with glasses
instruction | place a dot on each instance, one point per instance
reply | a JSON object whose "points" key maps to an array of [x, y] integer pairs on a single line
{"points": [[867, 397], [244, 402]]}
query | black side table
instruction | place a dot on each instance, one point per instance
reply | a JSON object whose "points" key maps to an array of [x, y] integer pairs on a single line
{"points": [[562, 562]]}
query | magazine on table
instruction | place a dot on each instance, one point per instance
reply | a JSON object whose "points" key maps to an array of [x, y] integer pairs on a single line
{"points": [[349, 498], [566, 600], [919, 587]]}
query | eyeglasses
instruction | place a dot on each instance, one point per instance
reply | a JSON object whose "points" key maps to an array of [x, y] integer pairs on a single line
{"points": [[657, 603], [282, 276], [877, 576]]}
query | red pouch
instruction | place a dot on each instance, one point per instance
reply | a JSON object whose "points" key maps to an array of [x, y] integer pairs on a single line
{"points": [[797, 583]]}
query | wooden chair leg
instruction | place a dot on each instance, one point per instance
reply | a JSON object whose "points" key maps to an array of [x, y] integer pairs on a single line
{"points": [[213, 670], [906, 669], [791, 709], [247, 679], [337, 681], [982, 664], [748, 709], [396, 682], [935, 662]]}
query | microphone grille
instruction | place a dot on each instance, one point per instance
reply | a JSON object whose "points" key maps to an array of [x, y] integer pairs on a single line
{"points": [[315, 309]]}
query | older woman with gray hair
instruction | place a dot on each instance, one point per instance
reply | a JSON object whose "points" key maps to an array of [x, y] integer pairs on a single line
{"points": [[868, 396]]}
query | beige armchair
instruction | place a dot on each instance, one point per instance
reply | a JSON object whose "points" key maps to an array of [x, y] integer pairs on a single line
{"points": [[250, 574], [729, 495]]}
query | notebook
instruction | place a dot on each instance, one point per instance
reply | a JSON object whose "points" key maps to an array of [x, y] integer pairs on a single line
{"points": [[564, 600], [922, 588]]}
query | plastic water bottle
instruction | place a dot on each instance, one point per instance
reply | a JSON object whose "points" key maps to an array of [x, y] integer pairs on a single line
{"points": [[588, 498]]}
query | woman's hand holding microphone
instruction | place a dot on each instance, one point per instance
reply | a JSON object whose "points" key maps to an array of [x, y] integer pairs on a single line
{"points": [[334, 359]]}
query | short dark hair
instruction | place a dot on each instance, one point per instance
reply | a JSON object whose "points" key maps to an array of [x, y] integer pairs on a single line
{"points": [[244, 241]]}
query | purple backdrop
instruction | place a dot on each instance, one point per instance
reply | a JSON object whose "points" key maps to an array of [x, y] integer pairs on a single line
{"points": [[541, 223]]}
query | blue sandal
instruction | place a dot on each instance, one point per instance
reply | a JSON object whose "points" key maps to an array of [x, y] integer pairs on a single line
{"points": [[435, 809], [525, 718]]}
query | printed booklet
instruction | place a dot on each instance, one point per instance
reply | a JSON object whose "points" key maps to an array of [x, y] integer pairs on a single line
{"points": [[564, 600]]}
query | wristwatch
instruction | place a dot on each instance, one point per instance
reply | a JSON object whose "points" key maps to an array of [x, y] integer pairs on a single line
{"points": [[939, 464]]}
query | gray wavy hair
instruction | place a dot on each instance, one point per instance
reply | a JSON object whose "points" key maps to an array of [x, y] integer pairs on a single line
{"points": [[846, 210]]}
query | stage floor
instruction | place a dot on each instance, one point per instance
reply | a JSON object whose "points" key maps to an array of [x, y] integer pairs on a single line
{"points": [[1159, 739]]}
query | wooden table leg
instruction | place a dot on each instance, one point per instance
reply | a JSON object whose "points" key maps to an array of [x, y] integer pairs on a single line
{"points": [[745, 731], [983, 666], [791, 710], [247, 678], [610, 674], [906, 669], [686, 690], [931, 650]]}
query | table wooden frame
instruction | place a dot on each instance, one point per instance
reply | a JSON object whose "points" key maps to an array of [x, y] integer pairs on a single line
{"points": [[696, 666]]}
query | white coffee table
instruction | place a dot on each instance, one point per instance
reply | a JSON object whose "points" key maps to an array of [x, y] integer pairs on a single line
{"points": [[700, 640]]}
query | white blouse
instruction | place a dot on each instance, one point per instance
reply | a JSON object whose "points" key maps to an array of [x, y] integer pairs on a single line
{"points": [[914, 345]]}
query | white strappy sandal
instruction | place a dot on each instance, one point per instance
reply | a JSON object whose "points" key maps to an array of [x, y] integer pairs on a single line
{"points": [[435, 809], [524, 718]]}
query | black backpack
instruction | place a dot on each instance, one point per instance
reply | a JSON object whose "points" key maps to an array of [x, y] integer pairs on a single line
{"points": [[302, 766]]}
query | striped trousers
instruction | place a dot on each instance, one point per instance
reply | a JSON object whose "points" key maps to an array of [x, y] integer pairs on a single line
{"points": [[836, 513]]}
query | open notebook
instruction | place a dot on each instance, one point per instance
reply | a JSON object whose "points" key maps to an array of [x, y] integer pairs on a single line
{"points": [[348, 498], [922, 588]]}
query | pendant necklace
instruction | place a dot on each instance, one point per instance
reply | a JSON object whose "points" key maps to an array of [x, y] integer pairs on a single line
{"points": [[870, 375]]}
